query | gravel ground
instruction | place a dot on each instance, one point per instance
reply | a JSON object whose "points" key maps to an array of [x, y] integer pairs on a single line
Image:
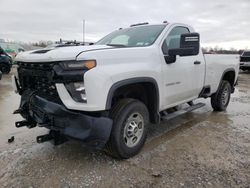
{"points": [[198, 149]]}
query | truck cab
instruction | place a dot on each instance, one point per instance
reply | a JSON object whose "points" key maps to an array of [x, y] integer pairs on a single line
{"points": [[107, 94]]}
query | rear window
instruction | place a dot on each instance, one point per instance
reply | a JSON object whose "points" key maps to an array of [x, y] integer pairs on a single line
{"points": [[246, 54]]}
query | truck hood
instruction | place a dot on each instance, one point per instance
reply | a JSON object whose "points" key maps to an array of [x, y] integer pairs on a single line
{"points": [[57, 53]]}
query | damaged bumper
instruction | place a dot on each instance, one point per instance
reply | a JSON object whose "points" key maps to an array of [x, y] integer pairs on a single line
{"points": [[92, 131]]}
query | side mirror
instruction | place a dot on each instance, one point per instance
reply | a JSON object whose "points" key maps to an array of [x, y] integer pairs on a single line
{"points": [[189, 45]]}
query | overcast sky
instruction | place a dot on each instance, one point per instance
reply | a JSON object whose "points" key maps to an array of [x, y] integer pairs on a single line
{"points": [[224, 23]]}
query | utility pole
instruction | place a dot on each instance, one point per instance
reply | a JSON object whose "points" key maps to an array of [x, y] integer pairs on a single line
{"points": [[83, 31]]}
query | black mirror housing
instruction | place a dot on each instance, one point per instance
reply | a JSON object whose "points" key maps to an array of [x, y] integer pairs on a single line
{"points": [[189, 45]]}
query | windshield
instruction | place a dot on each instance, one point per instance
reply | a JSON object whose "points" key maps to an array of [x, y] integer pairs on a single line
{"points": [[133, 36], [246, 54]]}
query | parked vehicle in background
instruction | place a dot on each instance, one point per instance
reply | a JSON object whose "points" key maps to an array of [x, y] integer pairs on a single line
{"points": [[64, 43], [245, 60], [5, 62], [11, 48], [106, 94]]}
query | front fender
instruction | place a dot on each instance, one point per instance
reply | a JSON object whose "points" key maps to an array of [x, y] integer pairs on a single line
{"points": [[118, 84]]}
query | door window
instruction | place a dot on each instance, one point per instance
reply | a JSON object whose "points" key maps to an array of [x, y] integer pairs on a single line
{"points": [[173, 39]]}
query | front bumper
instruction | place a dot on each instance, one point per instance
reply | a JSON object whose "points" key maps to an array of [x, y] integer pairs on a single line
{"points": [[92, 131]]}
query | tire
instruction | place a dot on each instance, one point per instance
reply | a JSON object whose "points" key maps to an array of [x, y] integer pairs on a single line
{"points": [[5, 69], [221, 98], [129, 131]]}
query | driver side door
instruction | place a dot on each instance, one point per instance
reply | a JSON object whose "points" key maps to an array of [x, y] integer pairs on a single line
{"points": [[179, 76]]}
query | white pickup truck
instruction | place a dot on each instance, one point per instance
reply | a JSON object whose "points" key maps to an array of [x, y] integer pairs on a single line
{"points": [[245, 61], [107, 94]]}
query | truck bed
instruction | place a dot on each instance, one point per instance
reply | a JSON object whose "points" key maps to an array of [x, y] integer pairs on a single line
{"points": [[216, 64]]}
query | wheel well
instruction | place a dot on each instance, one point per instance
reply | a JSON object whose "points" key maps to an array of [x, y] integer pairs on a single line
{"points": [[230, 77], [146, 92]]}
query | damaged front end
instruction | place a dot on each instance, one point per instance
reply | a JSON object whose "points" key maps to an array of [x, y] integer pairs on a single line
{"points": [[41, 105]]}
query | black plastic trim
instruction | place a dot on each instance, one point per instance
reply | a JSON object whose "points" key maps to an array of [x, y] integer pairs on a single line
{"points": [[203, 92], [92, 131], [223, 74], [131, 81], [156, 116]]}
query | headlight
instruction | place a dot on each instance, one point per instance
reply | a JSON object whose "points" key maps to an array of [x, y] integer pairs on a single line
{"points": [[79, 65], [77, 91]]}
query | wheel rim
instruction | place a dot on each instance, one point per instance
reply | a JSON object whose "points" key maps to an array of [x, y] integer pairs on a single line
{"points": [[225, 96], [4, 69], [133, 130]]}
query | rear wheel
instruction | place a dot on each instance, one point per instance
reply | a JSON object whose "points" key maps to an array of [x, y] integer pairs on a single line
{"points": [[221, 98], [130, 121]]}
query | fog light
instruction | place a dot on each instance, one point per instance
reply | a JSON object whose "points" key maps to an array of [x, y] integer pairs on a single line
{"points": [[77, 91], [79, 86]]}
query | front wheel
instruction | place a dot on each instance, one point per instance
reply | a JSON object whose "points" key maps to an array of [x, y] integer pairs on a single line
{"points": [[221, 98], [128, 135], [5, 69]]}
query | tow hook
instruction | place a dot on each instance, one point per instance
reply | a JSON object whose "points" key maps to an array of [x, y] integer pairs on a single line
{"points": [[18, 111], [25, 123], [54, 136]]}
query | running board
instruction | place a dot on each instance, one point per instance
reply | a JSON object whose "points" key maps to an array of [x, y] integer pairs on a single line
{"points": [[182, 111]]}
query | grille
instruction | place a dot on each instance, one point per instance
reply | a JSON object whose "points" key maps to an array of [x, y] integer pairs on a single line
{"points": [[36, 66], [38, 77]]}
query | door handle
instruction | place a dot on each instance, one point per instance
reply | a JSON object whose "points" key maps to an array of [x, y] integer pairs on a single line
{"points": [[197, 62]]}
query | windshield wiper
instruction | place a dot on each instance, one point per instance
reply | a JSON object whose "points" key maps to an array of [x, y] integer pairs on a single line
{"points": [[117, 45]]}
